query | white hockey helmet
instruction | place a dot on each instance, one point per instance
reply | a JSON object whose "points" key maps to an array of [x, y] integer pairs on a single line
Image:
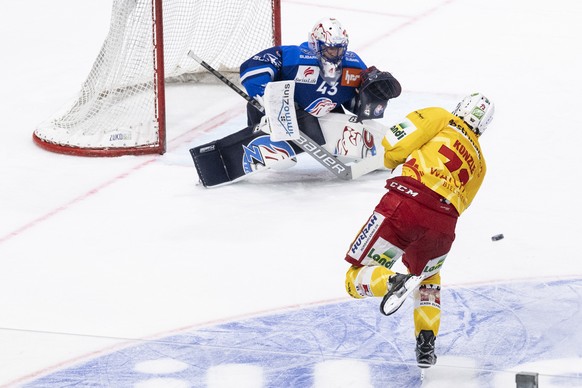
{"points": [[477, 111], [328, 40]]}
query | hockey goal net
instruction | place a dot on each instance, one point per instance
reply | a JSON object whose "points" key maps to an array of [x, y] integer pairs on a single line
{"points": [[120, 109]]}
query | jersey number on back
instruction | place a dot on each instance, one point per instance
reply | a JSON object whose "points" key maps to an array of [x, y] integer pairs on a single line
{"points": [[454, 164]]}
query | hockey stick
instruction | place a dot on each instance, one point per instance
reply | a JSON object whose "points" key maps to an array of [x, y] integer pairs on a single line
{"points": [[325, 158]]}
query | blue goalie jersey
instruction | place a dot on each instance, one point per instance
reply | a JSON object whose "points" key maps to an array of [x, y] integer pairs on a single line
{"points": [[312, 93]]}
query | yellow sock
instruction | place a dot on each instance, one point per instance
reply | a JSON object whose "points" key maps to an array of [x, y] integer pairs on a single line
{"points": [[368, 281], [427, 305]]}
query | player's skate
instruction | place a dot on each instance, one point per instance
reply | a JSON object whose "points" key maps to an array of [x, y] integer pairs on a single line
{"points": [[399, 287], [425, 356]]}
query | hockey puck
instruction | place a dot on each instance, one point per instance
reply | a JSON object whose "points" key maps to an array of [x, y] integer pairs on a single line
{"points": [[497, 237]]}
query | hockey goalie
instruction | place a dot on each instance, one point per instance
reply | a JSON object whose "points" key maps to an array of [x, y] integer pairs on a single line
{"points": [[318, 89]]}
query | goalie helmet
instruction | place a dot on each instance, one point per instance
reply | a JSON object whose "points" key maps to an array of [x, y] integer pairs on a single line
{"points": [[328, 40], [477, 111]]}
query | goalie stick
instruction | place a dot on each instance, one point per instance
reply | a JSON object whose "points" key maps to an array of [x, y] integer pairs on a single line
{"points": [[337, 167]]}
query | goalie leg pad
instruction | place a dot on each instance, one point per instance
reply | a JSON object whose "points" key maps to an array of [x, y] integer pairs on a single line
{"points": [[238, 155], [209, 164], [346, 138], [215, 161]]}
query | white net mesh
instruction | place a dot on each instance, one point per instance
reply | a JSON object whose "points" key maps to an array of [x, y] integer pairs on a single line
{"points": [[117, 106]]}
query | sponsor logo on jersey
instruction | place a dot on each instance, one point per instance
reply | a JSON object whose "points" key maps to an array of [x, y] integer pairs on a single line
{"points": [[307, 75], [412, 167], [462, 130], [367, 232], [320, 107], [262, 153], [351, 57], [399, 131], [351, 77], [268, 58]]}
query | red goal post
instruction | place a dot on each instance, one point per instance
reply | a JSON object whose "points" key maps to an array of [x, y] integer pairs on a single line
{"points": [[120, 109]]}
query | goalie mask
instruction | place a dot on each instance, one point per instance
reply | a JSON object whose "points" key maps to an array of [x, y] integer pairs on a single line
{"points": [[376, 88], [328, 40], [477, 111]]}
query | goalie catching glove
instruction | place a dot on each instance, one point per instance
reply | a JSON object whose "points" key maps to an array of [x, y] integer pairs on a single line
{"points": [[376, 88]]}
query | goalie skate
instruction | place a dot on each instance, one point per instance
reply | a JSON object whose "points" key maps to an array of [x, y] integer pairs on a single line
{"points": [[399, 287]]}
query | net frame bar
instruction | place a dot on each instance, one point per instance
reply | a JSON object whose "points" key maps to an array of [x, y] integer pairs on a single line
{"points": [[159, 92]]}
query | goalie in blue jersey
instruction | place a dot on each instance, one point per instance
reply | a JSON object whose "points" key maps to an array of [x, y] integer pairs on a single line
{"points": [[333, 93]]}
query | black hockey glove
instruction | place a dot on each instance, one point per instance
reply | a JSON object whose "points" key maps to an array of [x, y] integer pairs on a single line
{"points": [[376, 88]]}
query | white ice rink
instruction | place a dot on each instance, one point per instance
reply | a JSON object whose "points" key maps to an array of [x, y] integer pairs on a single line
{"points": [[125, 271]]}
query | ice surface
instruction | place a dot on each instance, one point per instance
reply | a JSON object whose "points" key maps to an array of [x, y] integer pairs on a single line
{"points": [[127, 268]]}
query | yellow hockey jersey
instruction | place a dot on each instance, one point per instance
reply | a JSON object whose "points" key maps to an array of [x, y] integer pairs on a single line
{"points": [[439, 150]]}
